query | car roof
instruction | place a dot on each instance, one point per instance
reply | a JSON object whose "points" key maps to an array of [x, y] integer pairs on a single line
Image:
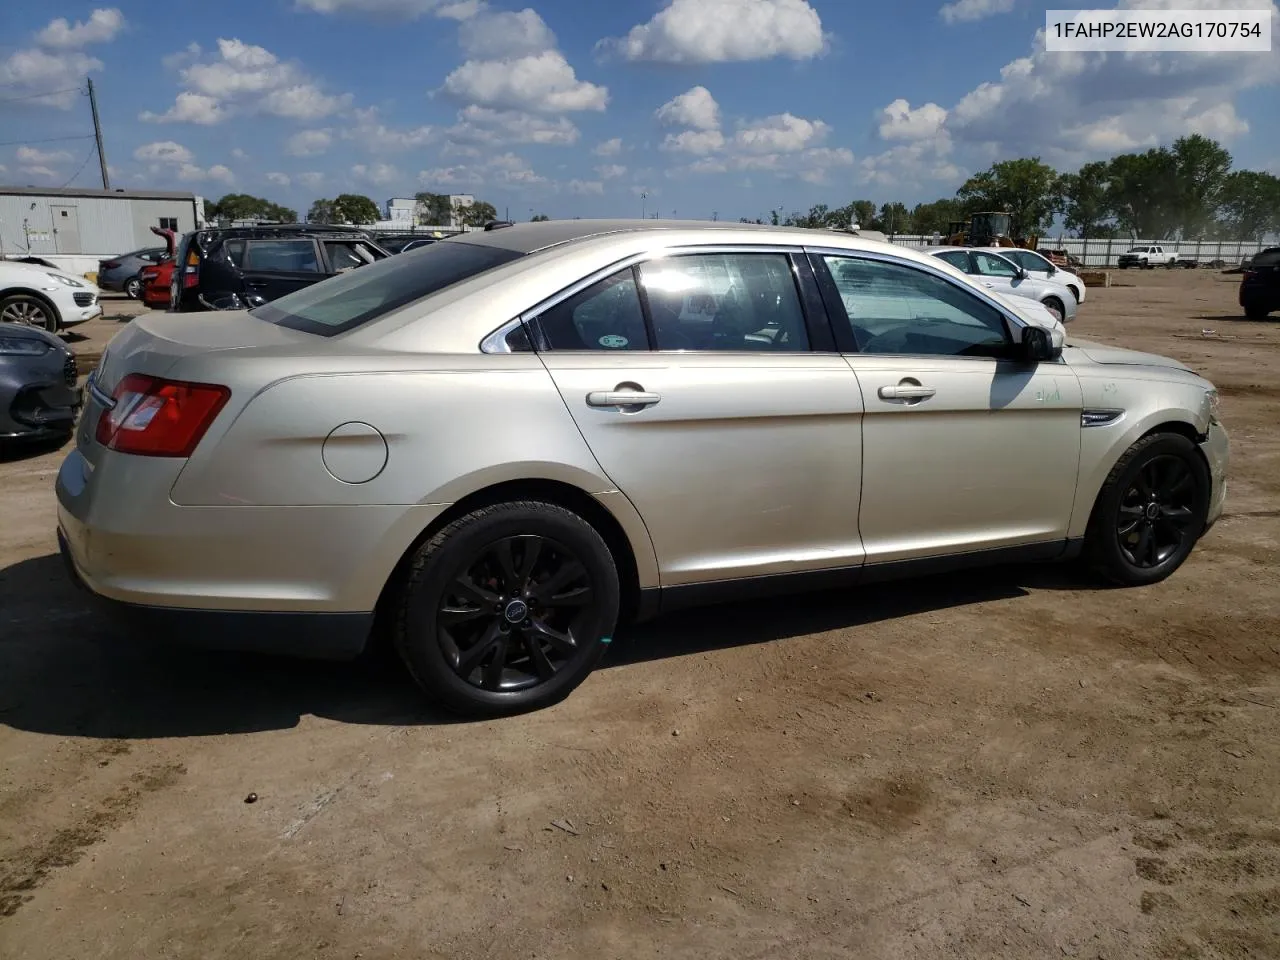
{"points": [[532, 237], [286, 229]]}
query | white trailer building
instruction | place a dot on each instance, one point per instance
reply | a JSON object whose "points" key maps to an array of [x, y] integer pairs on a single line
{"points": [[76, 228]]}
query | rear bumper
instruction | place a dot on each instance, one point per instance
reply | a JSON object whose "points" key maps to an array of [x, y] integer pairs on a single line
{"points": [[315, 636]]}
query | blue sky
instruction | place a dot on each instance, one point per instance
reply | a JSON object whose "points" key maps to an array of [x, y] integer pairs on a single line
{"points": [[576, 108]]}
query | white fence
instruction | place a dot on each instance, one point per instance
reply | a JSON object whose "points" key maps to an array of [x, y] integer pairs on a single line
{"points": [[1103, 253]]}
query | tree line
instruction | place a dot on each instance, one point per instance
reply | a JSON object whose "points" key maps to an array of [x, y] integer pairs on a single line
{"points": [[433, 209], [1187, 191]]}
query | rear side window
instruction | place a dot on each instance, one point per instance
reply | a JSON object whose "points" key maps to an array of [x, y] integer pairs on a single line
{"points": [[347, 254], [605, 316], [360, 296], [282, 256], [957, 258]]}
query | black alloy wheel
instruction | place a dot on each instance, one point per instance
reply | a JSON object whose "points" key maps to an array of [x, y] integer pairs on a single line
{"points": [[507, 608], [1157, 513], [1150, 512], [512, 617]]}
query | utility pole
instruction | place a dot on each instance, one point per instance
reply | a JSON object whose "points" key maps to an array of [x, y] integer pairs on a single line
{"points": [[97, 135], [644, 199]]}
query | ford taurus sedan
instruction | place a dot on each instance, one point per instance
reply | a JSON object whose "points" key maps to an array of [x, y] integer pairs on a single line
{"points": [[501, 446]]}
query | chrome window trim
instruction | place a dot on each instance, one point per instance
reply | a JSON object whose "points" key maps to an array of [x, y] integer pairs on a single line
{"points": [[496, 342]]}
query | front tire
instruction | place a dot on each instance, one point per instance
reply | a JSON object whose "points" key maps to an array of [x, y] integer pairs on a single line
{"points": [[28, 310], [507, 609], [1150, 512]]}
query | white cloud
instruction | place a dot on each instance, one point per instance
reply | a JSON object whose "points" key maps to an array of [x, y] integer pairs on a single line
{"points": [[502, 170], [37, 71], [101, 27], [308, 143], [609, 148], [378, 174], [183, 58], [376, 137], [239, 154], [544, 83], [279, 179], [33, 155], [312, 178], [967, 10], [189, 108], [400, 9], [478, 124], [499, 36], [611, 171], [923, 161], [584, 187], [718, 31], [695, 108], [243, 77], [697, 142], [163, 151], [39, 171], [899, 122], [219, 173], [781, 133]]}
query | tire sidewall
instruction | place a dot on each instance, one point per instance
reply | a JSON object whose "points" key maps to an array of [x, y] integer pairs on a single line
{"points": [[417, 639], [50, 314], [136, 292], [1106, 537]]}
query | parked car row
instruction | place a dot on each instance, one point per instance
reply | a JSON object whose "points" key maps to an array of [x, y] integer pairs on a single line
{"points": [[995, 269]]}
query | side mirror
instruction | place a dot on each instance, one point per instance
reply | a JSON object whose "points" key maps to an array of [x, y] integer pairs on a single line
{"points": [[1037, 345], [1022, 272]]}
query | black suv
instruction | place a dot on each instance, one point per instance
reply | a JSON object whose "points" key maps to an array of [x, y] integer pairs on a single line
{"points": [[235, 268], [1260, 285]]}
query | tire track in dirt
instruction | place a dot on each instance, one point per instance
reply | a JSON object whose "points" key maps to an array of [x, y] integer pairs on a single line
{"points": [[23, 872]]}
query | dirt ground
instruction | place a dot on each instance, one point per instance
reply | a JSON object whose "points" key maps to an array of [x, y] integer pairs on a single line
{"points": [[1010, 763]]}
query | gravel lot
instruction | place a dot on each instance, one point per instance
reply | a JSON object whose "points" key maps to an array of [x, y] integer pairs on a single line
{"points": [[1002, 764]]}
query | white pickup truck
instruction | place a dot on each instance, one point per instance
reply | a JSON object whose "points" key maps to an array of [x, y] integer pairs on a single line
{"points": [[1148, 258]]}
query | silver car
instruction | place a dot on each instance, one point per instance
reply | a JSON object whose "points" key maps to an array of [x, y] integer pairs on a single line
{"points": [[501, 446], [998, 272]]}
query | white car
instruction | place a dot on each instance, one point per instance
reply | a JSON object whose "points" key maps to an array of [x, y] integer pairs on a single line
{"points": [[40, 297], [995, 271], [1041, 266]]}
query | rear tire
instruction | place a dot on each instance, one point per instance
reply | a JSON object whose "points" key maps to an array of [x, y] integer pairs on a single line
{"points": [[1150, 512], [1054, 306], [1256, 313], [507, 609], [133, 288]]}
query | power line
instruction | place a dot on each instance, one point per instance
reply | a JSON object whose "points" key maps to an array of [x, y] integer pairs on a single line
{"points": [[12, 143], [80, 169], [37, 96]]}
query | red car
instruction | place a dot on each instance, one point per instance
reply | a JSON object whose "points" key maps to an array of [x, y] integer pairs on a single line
{"points": [[155, 284], [156, 278]]}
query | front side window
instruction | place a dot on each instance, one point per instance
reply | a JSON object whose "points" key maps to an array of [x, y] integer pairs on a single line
{"points": [[896, 309], [282, 256], [605, 316], [989, 265], [360, 296], [724, 301]]}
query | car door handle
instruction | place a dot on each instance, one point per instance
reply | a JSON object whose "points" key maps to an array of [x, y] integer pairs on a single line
{"points": [[987, 283], [906, 391], [255, 283], [622, 398]]}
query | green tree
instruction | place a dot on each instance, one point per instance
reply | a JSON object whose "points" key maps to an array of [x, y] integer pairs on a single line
{"points": [[242, 206], [1250, 205], [434, 209], [354, 208], [478, 214], [893, 218], [1083, 199], [321, 212], [1201, 166], [1024, 188], [936, 217], [1141, 193], [539, 218]]}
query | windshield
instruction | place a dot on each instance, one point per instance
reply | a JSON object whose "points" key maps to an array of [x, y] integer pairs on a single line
{"points": [[359, 296]]}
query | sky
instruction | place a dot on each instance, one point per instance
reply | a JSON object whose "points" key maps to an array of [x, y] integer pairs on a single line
{"points": [[690, 108]]}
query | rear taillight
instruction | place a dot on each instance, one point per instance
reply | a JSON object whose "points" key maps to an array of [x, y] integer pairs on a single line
{"points": [[191, 272], [159, 418], [109, 265]]}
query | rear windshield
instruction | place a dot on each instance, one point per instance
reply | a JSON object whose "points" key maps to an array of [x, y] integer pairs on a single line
{"points": [[350, 299]]}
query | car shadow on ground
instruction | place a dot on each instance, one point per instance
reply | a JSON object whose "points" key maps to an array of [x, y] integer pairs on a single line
{"points": [[66, 670], [11, 450]]}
